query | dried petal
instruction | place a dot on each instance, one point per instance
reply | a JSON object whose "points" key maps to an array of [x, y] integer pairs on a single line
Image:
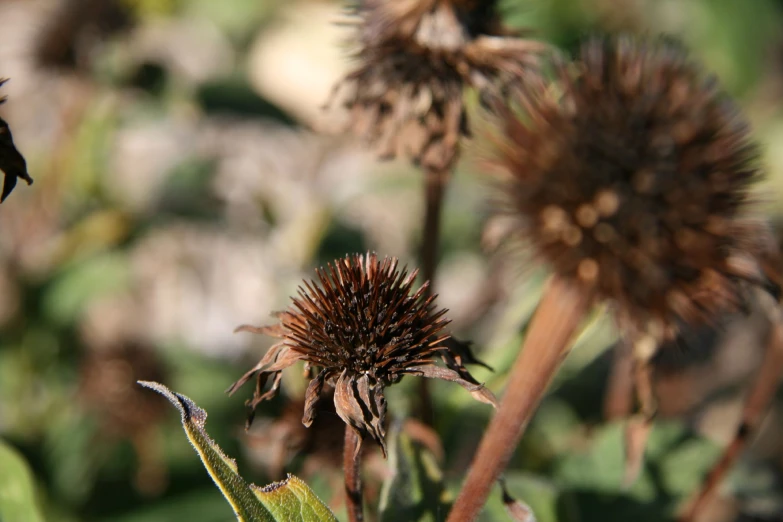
{"points": [[478, 391], [312, 395]]}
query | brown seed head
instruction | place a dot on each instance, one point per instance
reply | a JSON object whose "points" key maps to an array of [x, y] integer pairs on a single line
{"points": [[406, 94], [75, 27], [363, 325], [631, 173], [108, 386]]}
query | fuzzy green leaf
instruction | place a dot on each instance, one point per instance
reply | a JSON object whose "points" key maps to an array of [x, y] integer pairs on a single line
{"points": [[288, 500]]}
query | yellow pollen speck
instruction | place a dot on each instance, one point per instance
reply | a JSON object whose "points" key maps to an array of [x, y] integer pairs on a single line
{"points": [[588, 270], [607, 202], [554, 218], [586, 215], [572, 236]]}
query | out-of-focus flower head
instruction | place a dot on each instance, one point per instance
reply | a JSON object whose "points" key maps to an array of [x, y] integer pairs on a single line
{"points": [[631, 174], [416, 57]]}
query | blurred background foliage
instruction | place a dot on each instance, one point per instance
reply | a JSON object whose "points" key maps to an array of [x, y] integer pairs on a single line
{"points": [[187, 179]]}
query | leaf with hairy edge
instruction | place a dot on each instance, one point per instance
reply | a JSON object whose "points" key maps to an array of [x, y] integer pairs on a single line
{"points": [[289, 500]]}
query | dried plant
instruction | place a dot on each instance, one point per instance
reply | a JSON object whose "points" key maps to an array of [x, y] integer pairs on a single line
{"points": [[364, 328], [70, 34], [629, 175], [406, 94], [12, 163], [415, 60], [633, 181], [108, 388]]}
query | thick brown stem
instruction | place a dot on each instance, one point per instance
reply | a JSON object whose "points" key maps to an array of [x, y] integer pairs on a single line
{"points": [[435, 183], [353, 479], [756, 406], [559, 314]]}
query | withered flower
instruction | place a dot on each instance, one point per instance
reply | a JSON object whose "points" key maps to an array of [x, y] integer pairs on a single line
{"points": [[69, 36], [415, 58], [107, 388], [12, 163], [631, 173], [364, 328]]}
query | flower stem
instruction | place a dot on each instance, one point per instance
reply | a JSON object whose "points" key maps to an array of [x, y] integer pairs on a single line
{"points": [[435, 184], [756, 405], [352, 470], [557, 318]]}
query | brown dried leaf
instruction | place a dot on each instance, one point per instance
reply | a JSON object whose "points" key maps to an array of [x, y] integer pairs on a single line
{"points": [[478, 391]]}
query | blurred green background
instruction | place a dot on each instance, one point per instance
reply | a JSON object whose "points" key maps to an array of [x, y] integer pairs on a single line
{"points": [[187, 179]]}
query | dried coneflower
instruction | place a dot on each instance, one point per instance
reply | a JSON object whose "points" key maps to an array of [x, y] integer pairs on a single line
{"points": [[360, 328], [12, 163], [73, 30], [108, 388], [415, 59], [630, 176], [405, 95]]}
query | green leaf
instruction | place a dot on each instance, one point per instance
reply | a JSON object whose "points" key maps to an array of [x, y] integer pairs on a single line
{"points": [[415, 492], [289, 500], [17, 490]]}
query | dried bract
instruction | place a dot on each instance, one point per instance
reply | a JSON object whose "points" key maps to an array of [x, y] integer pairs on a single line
{"points": [[416, 57], [363, 327], [12, 163], [631, 174]]}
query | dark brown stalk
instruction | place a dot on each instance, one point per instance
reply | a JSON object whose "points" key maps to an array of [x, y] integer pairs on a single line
{"points": [[756, 406], [434, 191], [435, 184], [546, 344], [352, 458]]}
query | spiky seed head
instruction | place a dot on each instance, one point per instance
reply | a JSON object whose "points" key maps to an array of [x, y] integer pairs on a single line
{"points": [[631, 172], [405, 95], [364, 327]]}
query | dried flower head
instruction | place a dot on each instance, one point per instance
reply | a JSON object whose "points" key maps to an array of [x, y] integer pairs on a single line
{"points": [[631, 172], [75, 27], [108, 386], [364, 328], [416, 56], [12, 163], [108, 389]]}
